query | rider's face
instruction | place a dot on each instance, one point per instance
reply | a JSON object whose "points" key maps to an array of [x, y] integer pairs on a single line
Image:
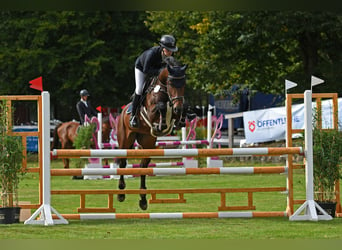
{"points": [[167, 52]]}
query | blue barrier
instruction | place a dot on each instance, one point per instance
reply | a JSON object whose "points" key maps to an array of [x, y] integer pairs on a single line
{"points": [[31, 141]]}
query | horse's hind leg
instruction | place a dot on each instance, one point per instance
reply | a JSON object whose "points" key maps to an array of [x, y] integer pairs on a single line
{"points": [[122, 184], [143, 202], [65, 145], [66, 162]]}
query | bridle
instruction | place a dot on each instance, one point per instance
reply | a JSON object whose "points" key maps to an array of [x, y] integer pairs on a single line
{"points": [[165, 87], [169, 83], [169, 113]]}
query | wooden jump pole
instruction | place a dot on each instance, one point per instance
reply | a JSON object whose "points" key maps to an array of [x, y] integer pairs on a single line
{"points": [[185, 215], [155, 153], [168, 171]]}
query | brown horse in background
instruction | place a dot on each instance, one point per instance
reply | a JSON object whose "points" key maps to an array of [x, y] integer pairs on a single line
{"points": [[161, 111], [66, 132]]}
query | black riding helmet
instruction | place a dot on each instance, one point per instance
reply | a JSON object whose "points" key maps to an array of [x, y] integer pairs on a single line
{"points": [[168, 42], [84, 92]]}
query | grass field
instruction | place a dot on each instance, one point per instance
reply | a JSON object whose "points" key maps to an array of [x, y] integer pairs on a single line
{"points": [[229, 228]]}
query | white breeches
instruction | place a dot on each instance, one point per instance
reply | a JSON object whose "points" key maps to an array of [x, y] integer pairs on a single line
{"points": [[139, 81]]}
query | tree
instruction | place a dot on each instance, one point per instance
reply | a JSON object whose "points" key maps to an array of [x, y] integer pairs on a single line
{"points": [[96, 50], [258, 50], [72, 50]]}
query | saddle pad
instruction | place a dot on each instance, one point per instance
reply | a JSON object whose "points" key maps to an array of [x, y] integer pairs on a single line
{"points": [[129, 109]]}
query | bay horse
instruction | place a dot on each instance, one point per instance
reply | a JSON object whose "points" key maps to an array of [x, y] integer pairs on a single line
{"points": [[160, 112], [65, 133]]}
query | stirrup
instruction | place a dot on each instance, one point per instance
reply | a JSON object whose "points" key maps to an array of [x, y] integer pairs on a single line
{"points": [[133, 121]]}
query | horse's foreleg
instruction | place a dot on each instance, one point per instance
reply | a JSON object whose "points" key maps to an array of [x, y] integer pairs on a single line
{"points": [[106, 162], [66, 162], [122, 184], [143, 202], [162, 112]]}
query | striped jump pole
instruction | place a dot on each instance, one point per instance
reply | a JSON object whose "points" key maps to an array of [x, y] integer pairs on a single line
{"points": [[179, 143], [162, 153], [164, 143], [184, 215], [157, 164], [168, 171]]}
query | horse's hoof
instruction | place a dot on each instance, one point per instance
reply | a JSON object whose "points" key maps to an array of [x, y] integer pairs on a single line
{"points": [[143, 204], [77, 177], [121, 197]]}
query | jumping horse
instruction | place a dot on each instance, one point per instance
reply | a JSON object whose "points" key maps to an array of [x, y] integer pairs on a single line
{"points": [[65, 133], [160, 112]]}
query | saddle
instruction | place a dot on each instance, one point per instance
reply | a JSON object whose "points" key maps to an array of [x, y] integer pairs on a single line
{"points": [[148, 82]]}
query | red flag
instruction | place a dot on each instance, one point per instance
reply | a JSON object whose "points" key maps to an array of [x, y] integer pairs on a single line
{"points": [[99, 108], [37, 83]]}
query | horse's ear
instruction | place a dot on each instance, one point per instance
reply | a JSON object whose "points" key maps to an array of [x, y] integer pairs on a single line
{"points": [[184, 67], [170, 69]]}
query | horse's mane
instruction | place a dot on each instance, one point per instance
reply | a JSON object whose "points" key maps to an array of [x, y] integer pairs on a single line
{"points": [[170, 60]]}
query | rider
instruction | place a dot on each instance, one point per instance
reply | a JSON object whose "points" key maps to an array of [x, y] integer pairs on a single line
{"points": [[84, 107], [149, 64]]}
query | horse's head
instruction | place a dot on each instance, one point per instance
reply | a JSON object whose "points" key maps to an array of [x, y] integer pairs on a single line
{"points": [[176, 80], [165, 99]]}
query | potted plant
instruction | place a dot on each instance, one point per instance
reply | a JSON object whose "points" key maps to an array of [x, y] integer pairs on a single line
{"points": [[327, 153], [84, 140], [84, 137], [11, 169]]}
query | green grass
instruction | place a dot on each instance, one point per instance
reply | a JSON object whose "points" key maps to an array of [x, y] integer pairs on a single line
{"points": [[229, 228]]}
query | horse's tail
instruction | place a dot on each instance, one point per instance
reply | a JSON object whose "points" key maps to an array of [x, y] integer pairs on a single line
{"points": [[121, 128], [55, 142]]}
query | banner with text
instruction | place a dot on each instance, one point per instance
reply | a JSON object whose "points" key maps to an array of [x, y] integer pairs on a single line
{"points": [[270, 124]]}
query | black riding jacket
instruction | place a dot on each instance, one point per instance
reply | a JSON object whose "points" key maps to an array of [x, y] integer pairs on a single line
{"points": [[83, 110], [150, 61]]}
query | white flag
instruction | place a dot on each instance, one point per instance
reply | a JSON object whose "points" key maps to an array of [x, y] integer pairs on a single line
{"points": [[211, 106], [315, 81], [289, 84]]}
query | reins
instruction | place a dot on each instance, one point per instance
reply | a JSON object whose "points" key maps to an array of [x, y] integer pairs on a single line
{"points": [[164, 88], [168, 113]]}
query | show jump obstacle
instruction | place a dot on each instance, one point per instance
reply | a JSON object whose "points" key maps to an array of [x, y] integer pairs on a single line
{"points": [[47, 215]]}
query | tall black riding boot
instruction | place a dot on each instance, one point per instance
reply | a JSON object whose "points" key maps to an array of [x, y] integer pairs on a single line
{"points": [[133, 120]]}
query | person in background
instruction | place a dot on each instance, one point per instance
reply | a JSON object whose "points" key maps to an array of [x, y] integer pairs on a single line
{"points": [[148, 64], [84, 107]]}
